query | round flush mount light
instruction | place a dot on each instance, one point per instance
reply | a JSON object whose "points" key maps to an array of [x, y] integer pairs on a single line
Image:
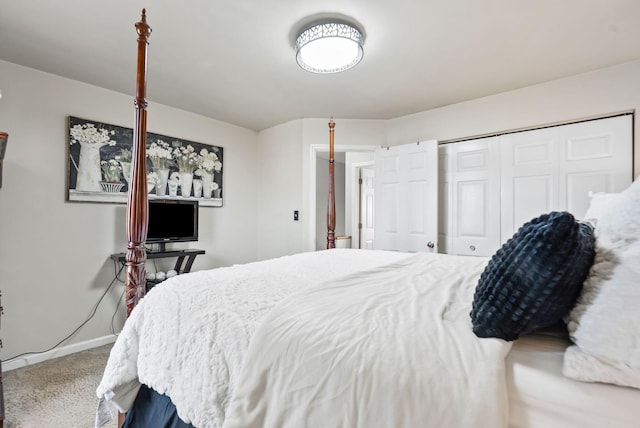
{"points": [[329, 47]]}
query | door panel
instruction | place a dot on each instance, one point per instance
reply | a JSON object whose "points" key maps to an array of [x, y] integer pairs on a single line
{"points": [[417, 200], [590, 147], [444, 199], [532, 196], [406, 204], [537, 153], [476, 197], [367, 198], [578, 187], [391, 196], [387, 182], [473, 196], [529, 177], [595, 156], [422, 196]]}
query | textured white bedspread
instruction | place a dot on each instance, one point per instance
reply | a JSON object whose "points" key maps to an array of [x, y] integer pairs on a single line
{"points": [[389, 347], [188, 336]]}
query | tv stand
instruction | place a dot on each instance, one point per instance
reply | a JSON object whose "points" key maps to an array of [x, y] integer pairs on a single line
{"points": [[189, 255], [162, 248]]}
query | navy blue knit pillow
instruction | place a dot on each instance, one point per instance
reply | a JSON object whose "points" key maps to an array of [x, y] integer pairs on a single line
{"points": [[534, 279]]}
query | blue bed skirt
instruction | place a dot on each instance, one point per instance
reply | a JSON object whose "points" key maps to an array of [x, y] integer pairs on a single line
{"points": [[153, 410]]}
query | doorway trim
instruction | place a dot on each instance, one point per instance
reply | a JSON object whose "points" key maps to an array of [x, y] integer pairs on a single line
{"points": [[356, 202], [314, 149]]}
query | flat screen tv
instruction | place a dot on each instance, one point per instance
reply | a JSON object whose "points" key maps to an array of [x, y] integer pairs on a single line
{"points": [[172, 221]]}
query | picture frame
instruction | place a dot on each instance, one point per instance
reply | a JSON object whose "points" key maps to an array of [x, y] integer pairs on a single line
{"points": [[99, 165]]}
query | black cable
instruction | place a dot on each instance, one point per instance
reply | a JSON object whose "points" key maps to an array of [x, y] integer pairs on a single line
{"points": [[122, 265], [91, 315], [115, 312]]}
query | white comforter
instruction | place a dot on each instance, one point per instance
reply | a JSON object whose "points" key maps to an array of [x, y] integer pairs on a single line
{"points": [[390, 347], [188, 336]]}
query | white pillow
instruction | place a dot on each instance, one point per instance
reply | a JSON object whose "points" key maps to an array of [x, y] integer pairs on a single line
{"points": [[618, 215], [599, 204], [607, 334], [605, 322]]}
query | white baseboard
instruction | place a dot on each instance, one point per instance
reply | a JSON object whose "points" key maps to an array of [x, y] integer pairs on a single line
{"points": [[27, 360]]}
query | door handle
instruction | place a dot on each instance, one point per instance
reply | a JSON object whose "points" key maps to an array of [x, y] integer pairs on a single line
{"points": [[430, 244]]}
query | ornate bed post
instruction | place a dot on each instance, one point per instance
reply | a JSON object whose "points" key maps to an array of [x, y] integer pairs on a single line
{"points": [[137, 204], [331, 206]]}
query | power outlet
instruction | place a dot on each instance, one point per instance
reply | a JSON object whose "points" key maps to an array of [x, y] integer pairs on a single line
{"points": [[295, 215]]}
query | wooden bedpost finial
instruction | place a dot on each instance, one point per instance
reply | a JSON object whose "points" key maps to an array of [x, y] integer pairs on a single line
{"points": [[143, 29]]}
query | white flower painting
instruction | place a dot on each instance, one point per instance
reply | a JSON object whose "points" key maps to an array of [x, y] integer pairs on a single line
{"points": [[99, 161]]}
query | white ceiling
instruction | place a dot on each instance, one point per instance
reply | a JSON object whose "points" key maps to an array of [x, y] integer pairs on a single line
{"points": [[233, 60]]}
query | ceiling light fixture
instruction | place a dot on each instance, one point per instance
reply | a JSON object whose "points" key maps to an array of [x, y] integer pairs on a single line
{"points": [[329, 47]]}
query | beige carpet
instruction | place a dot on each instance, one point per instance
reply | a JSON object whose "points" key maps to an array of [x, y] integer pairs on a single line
{"points": [[55, 393]]}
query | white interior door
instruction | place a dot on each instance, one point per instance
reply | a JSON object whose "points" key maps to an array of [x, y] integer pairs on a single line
{"points": [[367, 200], [406, 197]]}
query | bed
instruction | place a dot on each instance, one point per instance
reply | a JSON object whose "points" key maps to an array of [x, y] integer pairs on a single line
{"points": [[361, 338]]}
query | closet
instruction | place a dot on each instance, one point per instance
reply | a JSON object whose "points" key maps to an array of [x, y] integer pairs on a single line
{"points": [[489, 187]]}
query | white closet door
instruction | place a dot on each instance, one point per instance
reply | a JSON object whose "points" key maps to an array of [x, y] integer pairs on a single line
{"points": [[595, 156], [475, 200], [406, 203], [554, 169], [422, 196], [529, 174]]}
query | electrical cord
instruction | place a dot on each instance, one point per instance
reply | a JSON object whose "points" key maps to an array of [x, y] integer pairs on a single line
{"points": [[115, 312], [113, 317], [91, 315], [119, 271]]}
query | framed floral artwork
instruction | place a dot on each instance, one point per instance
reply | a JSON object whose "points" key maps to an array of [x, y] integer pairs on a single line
{"points": [[99, 165]]}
